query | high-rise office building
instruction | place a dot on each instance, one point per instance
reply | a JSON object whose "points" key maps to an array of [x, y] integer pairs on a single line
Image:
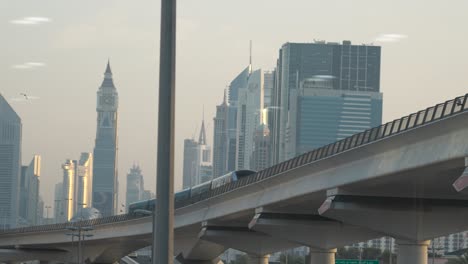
{"points": [[105, 181], [220, 139], [197, 160], [84, 173], [69, 190], [190, 163], [148, 195], [10, 164], [261, 152], [58, 202], [353, 68], [225, 126], [320, 115], [29, 192], [135, 185], [249, 111], [76, 187]]}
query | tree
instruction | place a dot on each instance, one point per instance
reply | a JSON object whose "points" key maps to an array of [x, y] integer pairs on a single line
{"points": [[463, 259], [240, 259], [291, 259], [385, 257]]}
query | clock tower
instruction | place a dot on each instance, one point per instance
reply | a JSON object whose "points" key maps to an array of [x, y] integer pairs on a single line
{"points": [[105, 180]]}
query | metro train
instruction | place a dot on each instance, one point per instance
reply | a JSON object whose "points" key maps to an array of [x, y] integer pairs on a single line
{"points": [[148, 206]]}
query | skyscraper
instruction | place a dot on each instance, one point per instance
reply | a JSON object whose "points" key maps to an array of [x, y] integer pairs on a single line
{"points": [[197, 160], [320, 115], [29, 192], [225, 126], [58, 201], [190, 163], [249, 111], [10, 164], [135, 185], [105, 181], [354, 68], [69, 190], [84, 172], [220, 139], [260, 158]]}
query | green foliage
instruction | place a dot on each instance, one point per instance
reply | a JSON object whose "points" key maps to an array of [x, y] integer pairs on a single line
{"points": [[291, 259], [367, 253], [463, 259], [240, 259]]}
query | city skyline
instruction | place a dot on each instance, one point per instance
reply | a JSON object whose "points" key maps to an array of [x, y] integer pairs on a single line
{"points": [[85, 66]]}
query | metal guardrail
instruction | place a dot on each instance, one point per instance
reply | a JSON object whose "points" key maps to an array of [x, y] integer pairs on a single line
{"points": [[66, 226], [397, 126]]}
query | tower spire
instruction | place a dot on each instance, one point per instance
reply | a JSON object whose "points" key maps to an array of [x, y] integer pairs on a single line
{"points": [[202, 138], [108, 69], [250, 53]]}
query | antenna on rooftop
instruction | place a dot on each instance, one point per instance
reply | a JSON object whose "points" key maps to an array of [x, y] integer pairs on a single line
{"points": [[250, 53]]}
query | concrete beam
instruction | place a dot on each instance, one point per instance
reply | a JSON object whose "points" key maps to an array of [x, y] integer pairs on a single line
{"points": [[311, 230], [243, 239], [189, 248], [412, 219], [22, 255]]}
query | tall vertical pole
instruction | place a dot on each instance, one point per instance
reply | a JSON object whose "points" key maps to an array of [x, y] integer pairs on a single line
{"points": [[163, 234]]}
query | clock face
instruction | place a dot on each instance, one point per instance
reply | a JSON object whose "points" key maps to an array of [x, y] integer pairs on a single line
{"points": [[108, 100]]}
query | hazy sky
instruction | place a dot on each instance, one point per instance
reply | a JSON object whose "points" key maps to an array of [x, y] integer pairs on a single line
{"points": [[61, 60]]}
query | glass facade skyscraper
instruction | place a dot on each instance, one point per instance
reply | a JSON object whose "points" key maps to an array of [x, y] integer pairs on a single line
{"points": [[197, 160], [135, 185], [10, 164], [347, 67], [105, 180]]}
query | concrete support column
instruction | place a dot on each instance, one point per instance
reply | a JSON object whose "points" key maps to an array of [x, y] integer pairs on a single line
{"points": [[256, 259], [321, 256], [412, 252]]}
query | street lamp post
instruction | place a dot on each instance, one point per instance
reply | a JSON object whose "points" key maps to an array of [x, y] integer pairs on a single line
{"points": [[163, 233], [79, 231], [47, 207]]}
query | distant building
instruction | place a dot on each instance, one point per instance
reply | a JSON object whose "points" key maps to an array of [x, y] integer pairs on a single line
{"points": [[58, 202], [190, 163], [40, 212], [76, 187], [220, 139], [69, 190], [249, 111], [105, 180], [29, 192], [10, 164], [84, 172], [320, 115], [148, 195], [197, 160], [261, 152], [352, 69], [135, 185]]}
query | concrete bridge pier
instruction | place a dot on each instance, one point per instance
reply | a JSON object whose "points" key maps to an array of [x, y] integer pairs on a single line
{"points": [[321, 256], [412, 252], [257, 259]]}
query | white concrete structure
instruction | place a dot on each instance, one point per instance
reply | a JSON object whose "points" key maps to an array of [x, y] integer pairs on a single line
{"points": [[398, 184]]}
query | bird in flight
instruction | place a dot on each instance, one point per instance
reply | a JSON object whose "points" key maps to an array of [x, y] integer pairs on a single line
{"points": [[24, 98]]}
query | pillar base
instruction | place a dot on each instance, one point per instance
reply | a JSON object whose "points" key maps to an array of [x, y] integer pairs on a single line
{"points": [[412, 252], [321, 256]]}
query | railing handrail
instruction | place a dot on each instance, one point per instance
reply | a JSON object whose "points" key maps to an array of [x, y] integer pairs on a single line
{"points": [[397, 126]]}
